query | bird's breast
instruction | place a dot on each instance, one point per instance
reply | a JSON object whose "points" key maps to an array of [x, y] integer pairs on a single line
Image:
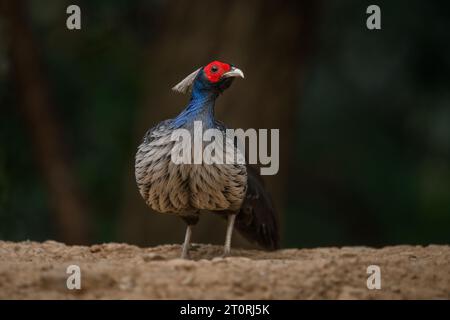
{"points": [[181, 188]]}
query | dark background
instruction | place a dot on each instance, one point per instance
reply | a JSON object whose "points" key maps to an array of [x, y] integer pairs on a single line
{"points": [[364, 116]]}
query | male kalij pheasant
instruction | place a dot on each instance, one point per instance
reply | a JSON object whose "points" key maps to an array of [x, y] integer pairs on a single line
{"points": [[234, 191]]}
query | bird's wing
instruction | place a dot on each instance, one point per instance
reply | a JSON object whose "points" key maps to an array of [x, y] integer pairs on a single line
{"points": [[257, 220]]}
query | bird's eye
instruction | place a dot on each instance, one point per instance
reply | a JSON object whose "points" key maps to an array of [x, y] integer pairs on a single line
{"points": [[214, 69]]}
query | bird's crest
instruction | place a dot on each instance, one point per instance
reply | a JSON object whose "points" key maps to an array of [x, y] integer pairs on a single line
{"points": [[185, 85]]}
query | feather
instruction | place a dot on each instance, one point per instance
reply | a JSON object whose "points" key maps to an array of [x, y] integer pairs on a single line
{"points": [[257, 220], [185, 85]]}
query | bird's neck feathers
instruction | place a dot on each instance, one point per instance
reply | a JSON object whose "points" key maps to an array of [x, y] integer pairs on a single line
{"points": [[199, 108]]}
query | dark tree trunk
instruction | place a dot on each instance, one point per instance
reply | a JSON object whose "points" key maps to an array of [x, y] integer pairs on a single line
{"points": [[46, 134], [268, 40]]}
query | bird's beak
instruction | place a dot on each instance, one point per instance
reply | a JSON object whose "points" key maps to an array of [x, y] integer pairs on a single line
{"points": [[234, 72]]}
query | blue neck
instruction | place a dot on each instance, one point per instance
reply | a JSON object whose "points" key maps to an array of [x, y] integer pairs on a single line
{"points": [[199, 108]]}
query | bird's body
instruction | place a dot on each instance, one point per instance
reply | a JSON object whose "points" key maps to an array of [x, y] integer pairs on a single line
{"points": [[189, 189], [185, 189]]}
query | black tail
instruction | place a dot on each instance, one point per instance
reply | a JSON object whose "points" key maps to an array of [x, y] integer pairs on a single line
{"points": [[257, 220]]}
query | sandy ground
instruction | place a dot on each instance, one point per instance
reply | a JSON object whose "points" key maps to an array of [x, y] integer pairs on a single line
{"points": [[30, 270]]}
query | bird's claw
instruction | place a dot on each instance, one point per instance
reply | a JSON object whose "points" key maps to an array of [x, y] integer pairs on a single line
{"points": [[185, 256], [226, 253]]}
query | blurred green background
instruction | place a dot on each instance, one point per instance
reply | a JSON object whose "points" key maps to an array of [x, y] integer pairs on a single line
{"points": [[364, 116]]}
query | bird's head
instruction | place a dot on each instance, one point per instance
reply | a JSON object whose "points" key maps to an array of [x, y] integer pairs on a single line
{"points": [[215, 77]]}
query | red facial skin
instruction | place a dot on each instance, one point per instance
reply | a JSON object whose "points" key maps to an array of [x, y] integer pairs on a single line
{"points": [[221, 69]]}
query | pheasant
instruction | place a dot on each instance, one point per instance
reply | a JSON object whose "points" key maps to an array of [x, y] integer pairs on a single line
{"points": [[234, 190]]}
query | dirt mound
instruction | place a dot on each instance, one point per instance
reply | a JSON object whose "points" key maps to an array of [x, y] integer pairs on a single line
{"points": [[31, 270]]}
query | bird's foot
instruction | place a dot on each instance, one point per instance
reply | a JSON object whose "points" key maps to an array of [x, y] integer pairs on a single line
{"points": [[194, 247], [185, 254], [226, 253]]}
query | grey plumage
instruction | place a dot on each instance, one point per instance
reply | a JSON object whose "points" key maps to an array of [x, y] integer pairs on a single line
{"points": [[185, 189]]}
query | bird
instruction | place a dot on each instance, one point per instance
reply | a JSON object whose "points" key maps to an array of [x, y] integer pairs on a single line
{"points": [[235, 192]]}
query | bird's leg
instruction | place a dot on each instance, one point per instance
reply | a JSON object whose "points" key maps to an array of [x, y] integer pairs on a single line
{"points": [[187, 243], [230, 226], [191, 221]]}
